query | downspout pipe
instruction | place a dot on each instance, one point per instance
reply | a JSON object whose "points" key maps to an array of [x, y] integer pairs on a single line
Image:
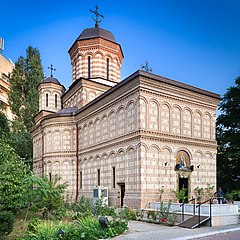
{"points": [[43, 155], [77, 175]]}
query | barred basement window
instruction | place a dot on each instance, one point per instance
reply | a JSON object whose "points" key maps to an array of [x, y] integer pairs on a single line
{"points": [[89, 66]]}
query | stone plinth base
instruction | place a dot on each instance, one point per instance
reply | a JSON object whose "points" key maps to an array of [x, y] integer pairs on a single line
{"points": [[222, 214]]}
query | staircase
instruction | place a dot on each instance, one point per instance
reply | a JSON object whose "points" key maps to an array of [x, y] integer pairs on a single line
{"points": [[194, 221]]}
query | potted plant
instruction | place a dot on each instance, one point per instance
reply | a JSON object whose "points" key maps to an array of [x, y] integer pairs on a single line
{"points": [[181, 195]]}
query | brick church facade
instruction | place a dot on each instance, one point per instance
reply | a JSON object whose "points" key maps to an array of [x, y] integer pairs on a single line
{"points": [[134, 136]]}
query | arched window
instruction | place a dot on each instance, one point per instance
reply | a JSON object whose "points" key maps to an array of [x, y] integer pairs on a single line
{"points": [[46, 99], [55, 100], [74, 70], [89, 66], [107, 68], [98, 177]]}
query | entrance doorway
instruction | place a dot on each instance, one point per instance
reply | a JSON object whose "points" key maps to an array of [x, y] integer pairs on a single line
{"points": [[122, 193], [183, 183]]}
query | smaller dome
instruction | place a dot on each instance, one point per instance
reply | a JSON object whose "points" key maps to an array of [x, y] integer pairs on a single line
{"points": [[89, 33], [51, 80]]}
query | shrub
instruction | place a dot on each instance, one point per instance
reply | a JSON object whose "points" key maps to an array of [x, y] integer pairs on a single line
{"points": [[101, 209], [127, 213], [33, 223], [140, 215], [90, 228], [44, 194], [181, 194], [151, 215], [234, 195], [81, 208], [51, 230], [117, 226], [161, 191], [82, 228], [204, 194], [13, 171], [165, 216], [6, 223]]}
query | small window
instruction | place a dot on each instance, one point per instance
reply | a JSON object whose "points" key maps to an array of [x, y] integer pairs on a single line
{"points": [[114, 177], [56, 100], [98, 177], [75, 71], [107, 69], [46, 99], [89, 67], [80, 180]]}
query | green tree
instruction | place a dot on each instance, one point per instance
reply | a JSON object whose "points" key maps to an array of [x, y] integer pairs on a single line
{"points": [[13, 171], [228, 137], [4, 127], [23, 95], [22, 143], [23, 100], [45, 194]]}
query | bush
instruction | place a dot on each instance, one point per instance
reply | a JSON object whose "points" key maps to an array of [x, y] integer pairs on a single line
{"points": [[128, 213], [84, 223], [101, 209], [81, 208], [82, 228], [232, 196], [84, 208], [203, 194], [151, 216], [180, 195], [165, 216], [6, 223], [33, 223], [46, 195], [48, 230]]}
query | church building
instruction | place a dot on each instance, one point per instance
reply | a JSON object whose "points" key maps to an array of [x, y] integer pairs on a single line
{"points": [[132, 137]]}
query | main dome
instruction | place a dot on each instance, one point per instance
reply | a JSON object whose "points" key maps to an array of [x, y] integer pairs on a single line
{"points": [[89, 33]]}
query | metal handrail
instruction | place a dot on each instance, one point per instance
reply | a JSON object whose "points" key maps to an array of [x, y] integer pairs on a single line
{"points": [[210, 211], [182, 206]]}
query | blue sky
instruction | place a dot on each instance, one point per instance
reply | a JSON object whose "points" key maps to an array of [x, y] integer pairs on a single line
{"points": [[195, 42]]}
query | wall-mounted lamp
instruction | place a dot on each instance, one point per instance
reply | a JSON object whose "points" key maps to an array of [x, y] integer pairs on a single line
{"points": [[165, 164], [198, 166]]}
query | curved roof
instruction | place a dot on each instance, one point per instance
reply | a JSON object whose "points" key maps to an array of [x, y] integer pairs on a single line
{"points": [[51, 80], [67, 111], [96, 32]]}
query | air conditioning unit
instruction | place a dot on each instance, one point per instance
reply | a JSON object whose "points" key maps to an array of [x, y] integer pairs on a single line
{"points": [[100, 193]]}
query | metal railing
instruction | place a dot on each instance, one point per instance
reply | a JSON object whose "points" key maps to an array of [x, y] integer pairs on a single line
{"points": [[183, 204], [210, 211]]}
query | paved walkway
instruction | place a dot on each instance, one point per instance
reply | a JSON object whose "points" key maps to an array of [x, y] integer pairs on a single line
{"points": [[148, 231]]}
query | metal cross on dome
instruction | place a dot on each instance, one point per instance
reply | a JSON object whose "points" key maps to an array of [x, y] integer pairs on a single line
{"points": [[52, 69], [96, 20], [146, 67]]}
